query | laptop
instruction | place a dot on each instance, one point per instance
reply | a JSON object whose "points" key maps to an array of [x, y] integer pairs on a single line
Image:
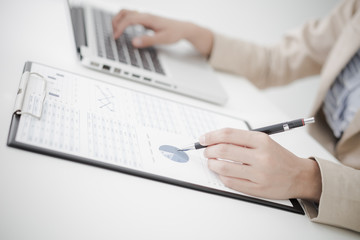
{"points": [[177, 67]]}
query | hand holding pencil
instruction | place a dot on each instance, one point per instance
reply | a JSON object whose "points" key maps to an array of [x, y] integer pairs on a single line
{"points": [[259, 166]]}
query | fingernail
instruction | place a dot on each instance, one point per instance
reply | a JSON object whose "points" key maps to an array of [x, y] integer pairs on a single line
{"points": [[202, 140], [137, 42]]}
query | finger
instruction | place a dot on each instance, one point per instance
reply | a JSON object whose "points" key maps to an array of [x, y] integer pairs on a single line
{"points": [[240, 185], [131, 18], [124, 21], [147, 41], [230, 152], [118, 17], [229, 169], [239, 137], [122, 14]]}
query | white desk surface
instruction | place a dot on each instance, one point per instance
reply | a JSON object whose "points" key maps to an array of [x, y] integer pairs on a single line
{"points": [[48, 198]]}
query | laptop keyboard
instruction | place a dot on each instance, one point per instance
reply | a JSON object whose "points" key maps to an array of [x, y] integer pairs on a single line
{"points": [[122, 49]]}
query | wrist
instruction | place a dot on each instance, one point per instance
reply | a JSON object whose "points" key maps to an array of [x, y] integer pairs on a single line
{"points": [[201, 38], [308, 182]]}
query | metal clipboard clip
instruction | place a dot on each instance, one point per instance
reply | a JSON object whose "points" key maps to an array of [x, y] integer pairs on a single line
{"points": [[22, 91]]}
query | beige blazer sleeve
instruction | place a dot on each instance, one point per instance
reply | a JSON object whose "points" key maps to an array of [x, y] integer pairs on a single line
{"points": [[340, 199], [300, 53]]}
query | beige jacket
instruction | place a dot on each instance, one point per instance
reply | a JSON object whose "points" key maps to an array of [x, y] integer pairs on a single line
{"points": [[319, 47]]}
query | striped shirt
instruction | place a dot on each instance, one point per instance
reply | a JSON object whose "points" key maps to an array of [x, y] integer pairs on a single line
{"points": [[342, 101]]}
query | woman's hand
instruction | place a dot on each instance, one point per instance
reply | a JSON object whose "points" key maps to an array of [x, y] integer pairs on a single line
{"points": [[166, 31], [259, 166]]}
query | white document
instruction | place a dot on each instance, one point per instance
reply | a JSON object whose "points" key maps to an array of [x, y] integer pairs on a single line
{"points": [[107, 123]]}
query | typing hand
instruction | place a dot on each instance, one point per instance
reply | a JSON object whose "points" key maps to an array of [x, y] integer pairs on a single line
{"points": [[166, 31], [260, 166]]}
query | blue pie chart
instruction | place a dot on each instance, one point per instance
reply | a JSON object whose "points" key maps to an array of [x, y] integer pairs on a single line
{"points": [[173, 154]]}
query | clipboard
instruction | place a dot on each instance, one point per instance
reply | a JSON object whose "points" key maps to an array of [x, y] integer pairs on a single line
{"points": [[73, 117]]}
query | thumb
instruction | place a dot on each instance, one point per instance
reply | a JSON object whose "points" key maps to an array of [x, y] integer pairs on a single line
{"points": [[143, 41], [147, 40]]}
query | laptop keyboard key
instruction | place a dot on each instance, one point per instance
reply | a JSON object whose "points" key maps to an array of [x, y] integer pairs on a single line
{"points": [[131, 51], [144, 60], [156, 62], [120, 49]]}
